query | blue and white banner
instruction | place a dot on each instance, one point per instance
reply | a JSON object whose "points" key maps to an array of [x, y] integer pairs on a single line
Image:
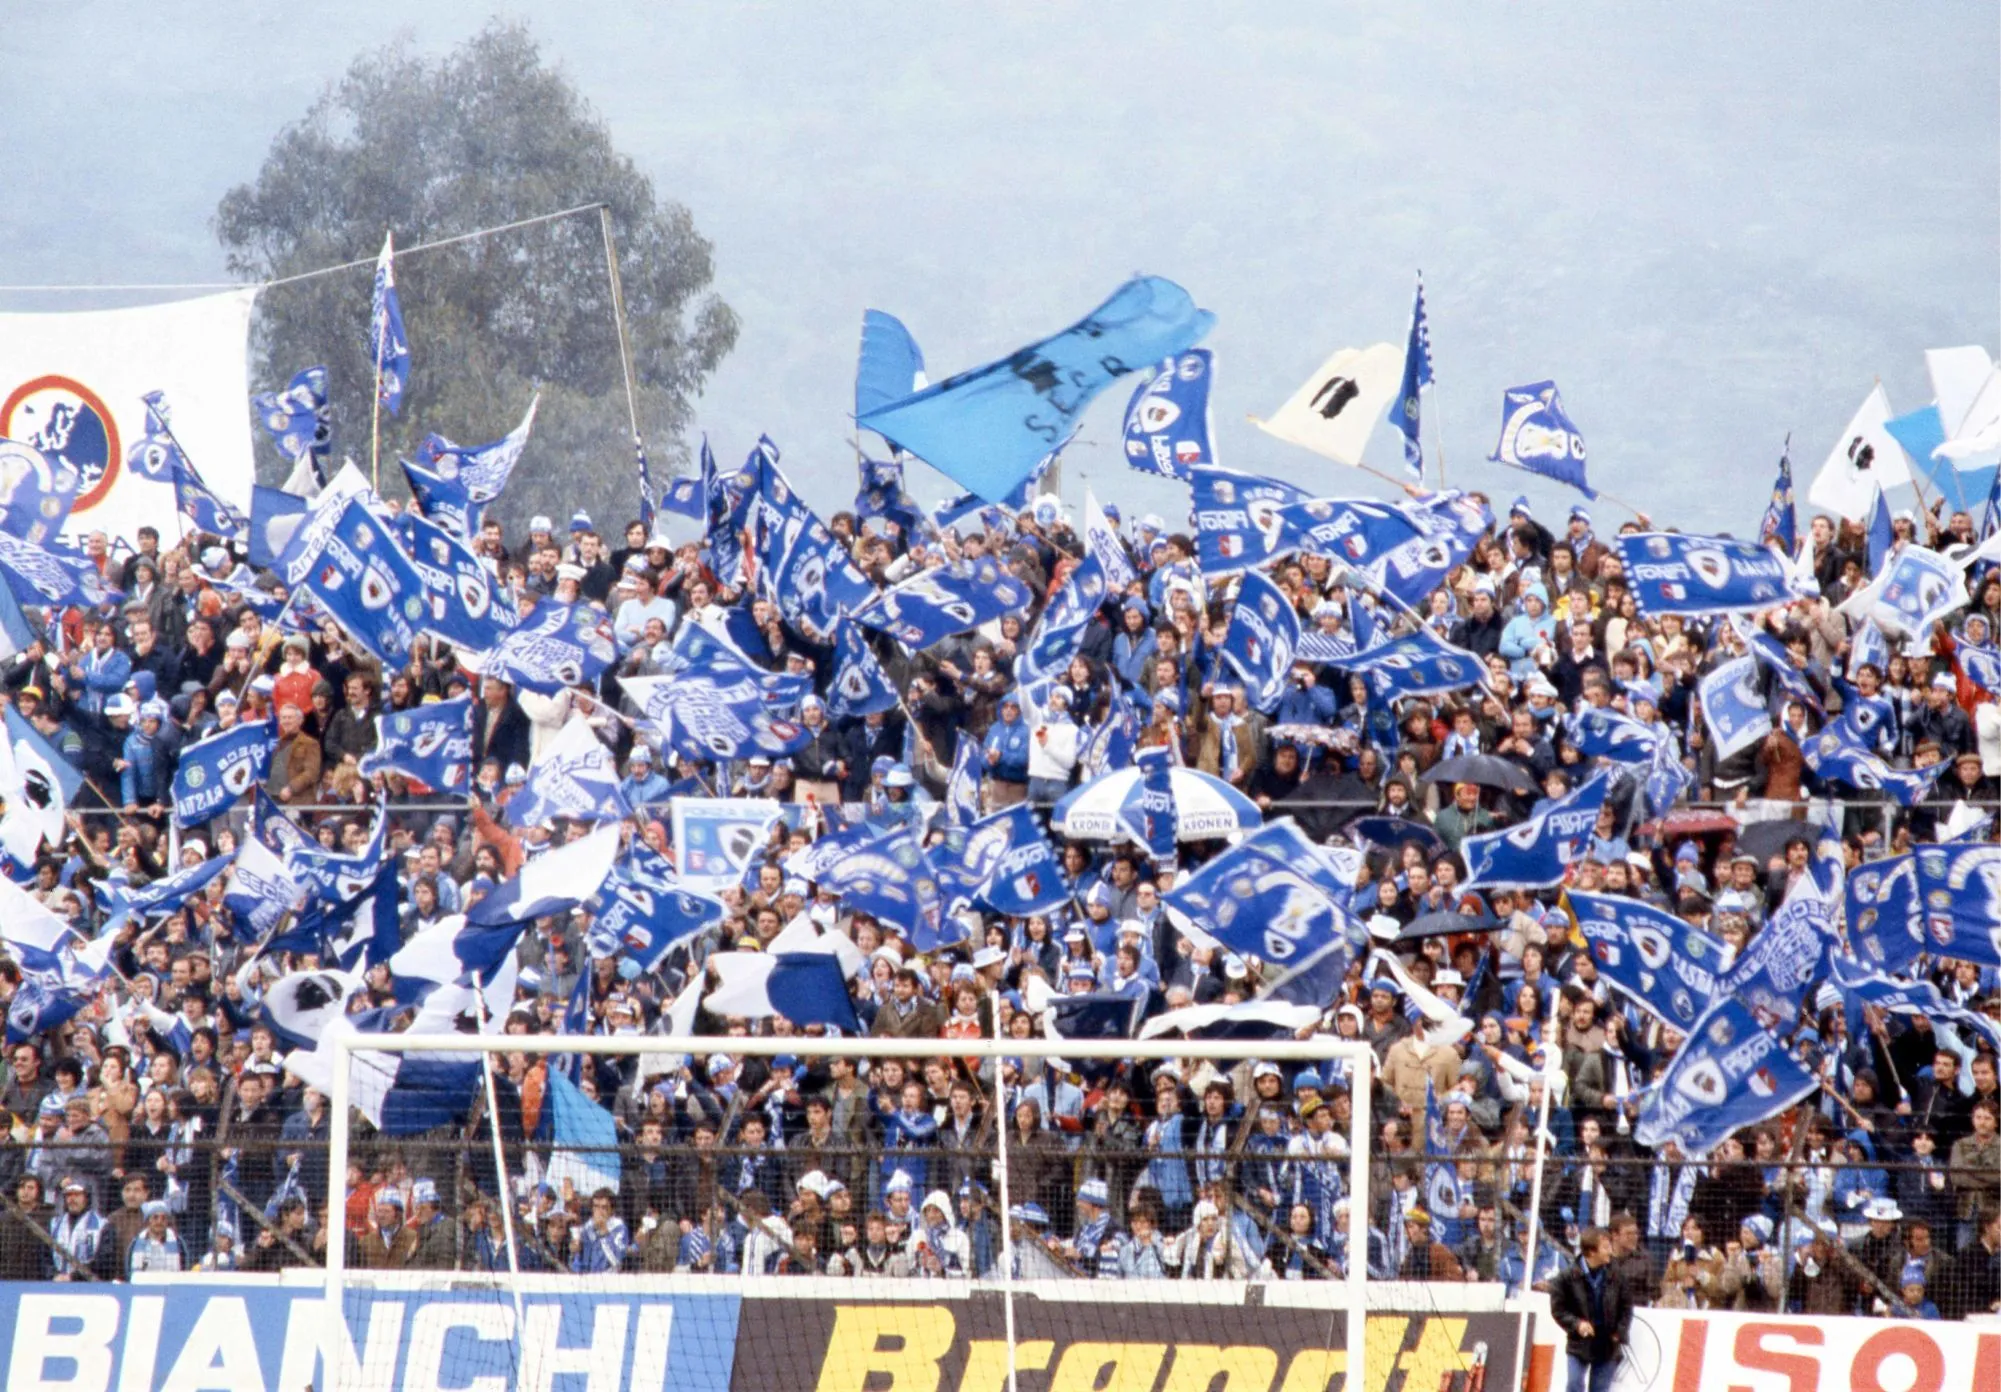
{"points": [[367, 583], [442, 500], [1673, 573], [1834, 757], [166, 895], [1731, 1073], [1243, 521], [1603, 733], [1538, 436], [431, 743], [1060, 631], [1913, 591], [881, 494], [1785, 957], [216, 772], [1153, 823], [162, 454], [298, 419], [1536, 853], [1418, 664], [458, 588], [261, 890], [933, 605], [1416, 377], [574, 776], [962, 789], [1734, 706], [1167, 421], [708, 713], [1448, 525], [557, 645], [1261, 640], [860, 687], [889, 878], [52, 574], [716, 839], [801, 566], [388, 345], [553, 881], [806, 988], [481, 470], [43, 490], [1274, 896], [1666, 966], [643, 909], [1023, 875], [1103, 544], [988, 427], [1981, 666]]}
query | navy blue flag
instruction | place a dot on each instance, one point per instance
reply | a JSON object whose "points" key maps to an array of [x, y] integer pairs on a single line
{"points": [[1243, 521], [1418, 664], [643, 909], [1024, 876], [714, 708], [1261, 640], [216, 772], [554, 881], [460, 606], [1734, 706], [43, 489], [52, 575], [481, 470], [720, 655], [298, 419], [962, 789], [1731, 1073], [1834, 757], [881, 495], [890, 366], [1662, 964], [261, 891], [274, 516], [1274, 896], [1881, 535], [1859, 987], [364, 579], [1538, 436], [1780, 524], [1153, 825], [860, 686], [1097, 1015], [330, 878], [1060, 631], [557, 645], [1167, 421], [388, 345], [41, 1005], [890, 879], [430, 743], [1787, 955], [1416, 377], [1792, 681], [687, 495], [166, 895], [989, 427], [1603, 733], [933, 605], [1536, 853], [361, 930], [443, 500], [1448, 524], [1675, 573]]}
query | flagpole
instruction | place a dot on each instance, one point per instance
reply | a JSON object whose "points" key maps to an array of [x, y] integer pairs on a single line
{"points": [[375, 418], [1549, 1076], [499, 1154], [618, 322]]}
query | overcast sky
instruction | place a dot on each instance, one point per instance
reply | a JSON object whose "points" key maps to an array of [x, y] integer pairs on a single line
{"points": [[1711, 223]]}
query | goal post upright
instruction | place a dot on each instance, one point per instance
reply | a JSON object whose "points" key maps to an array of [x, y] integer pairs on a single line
{"points": [[1318, 1049]]}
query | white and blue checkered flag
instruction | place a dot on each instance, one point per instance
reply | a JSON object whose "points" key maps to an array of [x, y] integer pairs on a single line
{"points": [[1416, 377], [388, 345]]}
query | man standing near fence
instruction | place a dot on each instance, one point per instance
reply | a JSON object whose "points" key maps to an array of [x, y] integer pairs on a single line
{"points": [[1590, 1301]]}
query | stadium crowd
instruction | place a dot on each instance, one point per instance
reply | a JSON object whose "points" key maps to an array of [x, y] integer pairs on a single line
{"points": [[158, 1127]]}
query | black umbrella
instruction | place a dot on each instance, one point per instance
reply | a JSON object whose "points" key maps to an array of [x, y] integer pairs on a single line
{"points": [[1446, 922], [1486, 770], [1391, 832], [1767, 839]]}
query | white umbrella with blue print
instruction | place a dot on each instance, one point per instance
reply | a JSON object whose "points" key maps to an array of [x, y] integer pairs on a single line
{"points": [[1206, 808]]}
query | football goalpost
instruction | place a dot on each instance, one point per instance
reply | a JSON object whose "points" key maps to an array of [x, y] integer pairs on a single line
{"points": [[725, 1281]]}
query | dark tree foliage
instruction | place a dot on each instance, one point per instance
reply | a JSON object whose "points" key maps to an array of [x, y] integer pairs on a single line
{"points": [[485, 136]]}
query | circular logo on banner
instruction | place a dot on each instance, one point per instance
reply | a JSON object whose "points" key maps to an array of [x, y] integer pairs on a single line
{"points": [[70, 423]]}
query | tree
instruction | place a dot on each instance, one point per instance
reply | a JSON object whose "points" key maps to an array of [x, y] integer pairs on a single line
{"points": [[487, 135]]}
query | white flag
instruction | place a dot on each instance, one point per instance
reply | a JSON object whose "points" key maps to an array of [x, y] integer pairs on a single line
{"points": [[1337, 409], [72, 385], [1866, 458], [1974, 429], [1101, 539]]}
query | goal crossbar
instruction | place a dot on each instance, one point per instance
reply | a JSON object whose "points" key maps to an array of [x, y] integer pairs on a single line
{"points": [[1358, 1054]]}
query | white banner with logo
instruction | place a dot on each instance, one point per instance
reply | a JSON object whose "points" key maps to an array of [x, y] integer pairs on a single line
{"points": [[1695, 1350]]}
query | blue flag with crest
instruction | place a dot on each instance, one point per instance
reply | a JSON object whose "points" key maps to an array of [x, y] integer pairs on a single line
{"points": [[962, 789], [1155, 827], [1448, 525], [1732, 1072], [1537, 435], [1243, 521], [1418, 664], [573, 776], [42, 575], [1167, 420], [1780, 524], [988, 427], [481, 470], [713, 708], [860, 686], [1022, 875], [933, 605], [1834, 756], [431, 743], [1261, 640], [458, 588], [193, 498], [687, 495], [1536, 853], [1666, 966], [1782, 960], [890, 879], [388, 345], [1416, 377], [645, 912], [443, 500], [365, 580], [1603, 733], [1734, 706], [216, 772], [45, 488], [298, 419], [1675, 573], [1059, 633], [557, 645]]}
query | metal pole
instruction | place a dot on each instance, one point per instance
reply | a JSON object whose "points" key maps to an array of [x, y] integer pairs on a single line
{"points": [[340, 1348], [624, 351], [499, 1159], [1550, 1072], [1357, 1333], [1007, 1228]]}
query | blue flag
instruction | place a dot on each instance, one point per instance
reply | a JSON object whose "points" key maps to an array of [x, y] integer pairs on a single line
{"points": [[687, 495], [1261, 640], [44, 488], [1673, 573], [881, 495], [1834, 757], [646, 504], [261, 890], [1913, 591], [989, 427], [1152, 825], [216, 772], [1603, 733], [1731, 1073], [860, 687], [1664, 965], [1791, 681], [1243, 521], [1860, 987], [962, 789], [443, 500], [1536, 853], [1537, 436], [1275, 896], [573, 776], [801, 566], [298, 419], [1785, 957], [1417, 664], [1416, 377], [1023, 877], [1110, 746], [41, 1005], [365, 580], [460, 606], [52, 575], [557, 645], [1881, 535], [274, 516], [388, 345], [1943, 898], [1059, 633], [1734, 706], [890, 366], [1869, 648], [1780, 525], [193, 498], [890, 879], [166, 895], [431, 743], [715, 710], [645, 911], [933, 605], [363, 930], [1448, 526], [1167, 421], [481, 470]]}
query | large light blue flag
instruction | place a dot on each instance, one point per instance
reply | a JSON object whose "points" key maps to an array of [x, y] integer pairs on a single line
{"points": [[1535, 854], [988, 427], [557, 645], [458, 588], [1416, 377], [298, 419], [934, 604], [431, 743], [1538, 436], [1734, 706], [365, 580], [44, 489], [1675, 573], [891, 365], [585, 1139], [388, 345], [1922, 431], [216, 772], [1664, 965], [1731, 1073], [1261, 640], [1418, 664], [1167, 421]]}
